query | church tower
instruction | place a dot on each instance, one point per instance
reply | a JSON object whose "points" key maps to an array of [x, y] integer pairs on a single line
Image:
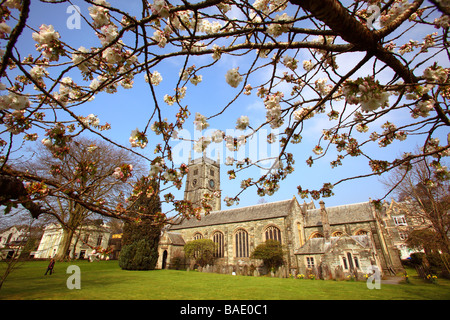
{"points": [[203, 177]]}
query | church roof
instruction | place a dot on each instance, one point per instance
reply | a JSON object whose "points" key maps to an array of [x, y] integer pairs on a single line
{"points": [[316, 246], [257, 212], [350, 213], [176, 238], [320, 245]]}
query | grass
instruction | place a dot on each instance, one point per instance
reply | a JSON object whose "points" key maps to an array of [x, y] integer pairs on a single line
{"points": [[106, 281]]}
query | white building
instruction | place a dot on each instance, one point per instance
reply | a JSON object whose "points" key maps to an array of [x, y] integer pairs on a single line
{"points": [[85, 240], [11, 239]]}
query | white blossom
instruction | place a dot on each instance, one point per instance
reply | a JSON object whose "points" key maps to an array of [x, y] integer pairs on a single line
{"points": [[99, 14], [46, 35], [242, 123], [155, 78], [217, 136], [14, 101], [233, 77], [290, 62], [37, 72], [47, 142], [4, 28], [201, 144], [371, 104], [78, 57], [159, 7], [308, 65], [200, 122]]}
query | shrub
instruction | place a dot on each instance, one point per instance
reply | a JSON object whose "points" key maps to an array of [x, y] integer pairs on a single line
{"points": [[202, 250], [271, 252], [139, 255]]}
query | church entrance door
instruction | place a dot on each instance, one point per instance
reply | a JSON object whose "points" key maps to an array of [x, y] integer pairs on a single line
{"points": [[164, 261]]}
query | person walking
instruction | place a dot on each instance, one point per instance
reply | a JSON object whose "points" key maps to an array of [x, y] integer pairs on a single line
{"points": [[50, 267]]}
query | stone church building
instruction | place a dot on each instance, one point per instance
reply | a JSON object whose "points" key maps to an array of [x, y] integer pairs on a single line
{"points": [[329, 242]]}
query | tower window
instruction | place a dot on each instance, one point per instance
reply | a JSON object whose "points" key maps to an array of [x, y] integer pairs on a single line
{"points": [[211, 172], [195, 172]]}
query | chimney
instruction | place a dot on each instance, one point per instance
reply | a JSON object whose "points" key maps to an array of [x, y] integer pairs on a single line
{"points": [[325, 222]]}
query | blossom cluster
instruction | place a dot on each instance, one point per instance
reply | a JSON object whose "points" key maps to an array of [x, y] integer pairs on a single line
{"points": [[200, 122], [14, 101], [123, 172], [394, 11], [277, 29], [57, 141], [273, 109], [138, 139], [48, 42], [242, 123], [367, 92], [155, 78], [233, 77]]}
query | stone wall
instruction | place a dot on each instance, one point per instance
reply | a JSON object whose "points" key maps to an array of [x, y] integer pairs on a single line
{"points": [[256, 235]]}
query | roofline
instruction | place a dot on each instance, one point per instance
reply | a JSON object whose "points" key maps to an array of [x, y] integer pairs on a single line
{"points": [[178, 226], [343, 205]]}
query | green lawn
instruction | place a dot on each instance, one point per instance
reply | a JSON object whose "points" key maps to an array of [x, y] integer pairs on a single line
{"points": [[105, 280]]}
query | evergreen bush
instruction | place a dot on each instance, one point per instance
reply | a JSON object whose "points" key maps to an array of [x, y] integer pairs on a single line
{"points": [[141, 237]]}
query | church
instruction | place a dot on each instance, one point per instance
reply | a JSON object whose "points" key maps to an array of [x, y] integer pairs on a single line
{"points": [[328, 242]]}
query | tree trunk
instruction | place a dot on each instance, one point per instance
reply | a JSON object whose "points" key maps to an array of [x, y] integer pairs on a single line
{"points": [[64, 247]]}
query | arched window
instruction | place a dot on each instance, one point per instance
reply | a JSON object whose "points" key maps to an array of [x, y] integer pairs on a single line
{"points": [[198, 236], [361, 233], [337, 234], [241, 243], [273, 233], [220, 245], [316, 235]]}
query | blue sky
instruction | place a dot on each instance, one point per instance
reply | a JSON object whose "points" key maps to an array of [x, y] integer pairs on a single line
{"points": [[130, 109]]}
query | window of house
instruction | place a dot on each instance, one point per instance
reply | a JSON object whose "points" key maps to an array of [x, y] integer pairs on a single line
{"points": [[356, 260], [310, 262], [220, 245], [273, 233], [400, 220], [86, 238], [344, 261], [241, 243], [350, 262], [99, 240]]}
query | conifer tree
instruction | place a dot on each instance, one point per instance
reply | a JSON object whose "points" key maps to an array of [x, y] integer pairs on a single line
{"points": [[141, 236]]}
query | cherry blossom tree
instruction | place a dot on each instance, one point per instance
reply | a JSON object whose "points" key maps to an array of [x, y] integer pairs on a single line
{"points": [[360, 70]]}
